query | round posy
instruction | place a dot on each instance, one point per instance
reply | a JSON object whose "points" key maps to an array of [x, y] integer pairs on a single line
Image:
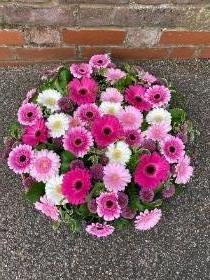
{"points": [[100, 144]]}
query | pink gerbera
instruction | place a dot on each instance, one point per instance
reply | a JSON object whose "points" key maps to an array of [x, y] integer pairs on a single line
{"points": [[78, 141], [20, 159], [149, 78], [113, 75], [116, 177], [106, 130], [47, 208], [158, 95], [108, 207], [122, 200], [76, 185], [99, 230], [28, 114], [111, 95], [99, 61], [151, 171], [148, 219], [81, 70], [35, 134], [83, 91], [134, 137], [183, 170], [130, 118], [173, 149], [135, 95], [30, 94], [45, 165], [87, 112], [75, 121], [158, 131]]}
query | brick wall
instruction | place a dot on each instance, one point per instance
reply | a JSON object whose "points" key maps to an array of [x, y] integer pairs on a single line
{"points": [[54, 30]]}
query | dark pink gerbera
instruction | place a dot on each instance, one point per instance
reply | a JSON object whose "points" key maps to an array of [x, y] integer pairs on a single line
{"points": [[158, 95], [83, 91], [87, 113], [35, 134], [135, 95], [106, 130], [134, 137], [151, 171], [76, 185]]}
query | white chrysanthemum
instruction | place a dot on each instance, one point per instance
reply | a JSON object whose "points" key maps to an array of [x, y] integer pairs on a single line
{"points": [[158, 115], [53, 190], [49, 98], [118, 152], [57, 124], [111, 108]]}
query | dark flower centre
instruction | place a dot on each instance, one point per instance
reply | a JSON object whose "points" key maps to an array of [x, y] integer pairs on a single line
{"points": [[172, 149], [81, 70], [83, 91], [138, 98], [89, 115], [22, 158], [38, 133], [30, 114], [78, 185], [109, 204], [78, 141], [107, 131], [100, 61], [157, 96], [100, 227], [150, 169], [132, 137]]}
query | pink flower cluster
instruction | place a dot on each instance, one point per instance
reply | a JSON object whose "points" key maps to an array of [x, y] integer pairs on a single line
{"points": [[100, 146]]}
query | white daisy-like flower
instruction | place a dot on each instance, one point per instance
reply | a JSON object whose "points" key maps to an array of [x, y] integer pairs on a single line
{"points": [[118, 152], [57, 124], [53, 190], [111, 108], [49, 98], [158, 115]]}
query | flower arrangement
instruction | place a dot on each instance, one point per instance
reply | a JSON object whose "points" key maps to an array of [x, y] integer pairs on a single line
{"points": [[101, 145]]}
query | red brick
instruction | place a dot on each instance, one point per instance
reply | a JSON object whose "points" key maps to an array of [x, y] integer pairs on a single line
{"points": [[205, 53], [94, 36], [44, 54], [182, 52], [6, 54], [11, 37], [185, 37]]}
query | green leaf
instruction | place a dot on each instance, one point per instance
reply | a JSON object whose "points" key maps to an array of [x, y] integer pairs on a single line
{"points": [[134, 201], [35, 192], [97, 189], [82, 210], [154, 204], [178, 115], [74, 225], [15, 130], [56, 225], [122, 223], [125, 82], [66, 158], [179, 189]]}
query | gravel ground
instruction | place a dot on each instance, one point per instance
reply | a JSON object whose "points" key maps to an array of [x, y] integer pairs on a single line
{"points": [[176, 249]]}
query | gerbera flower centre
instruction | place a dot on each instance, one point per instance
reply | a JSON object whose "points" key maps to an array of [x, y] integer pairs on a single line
{"points": [[78, 141], [132, 137], [38, 133], [150, 169], [100, 61], [30, 114], [22, 158], [83, 91], [107, 131], [138, 98], [172, 149], [157, 96], [109, 204], [78, 185], [50, 101], [89, 114]]}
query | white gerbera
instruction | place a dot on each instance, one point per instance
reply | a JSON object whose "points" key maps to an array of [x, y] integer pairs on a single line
{"points": [[49, 98], [111, 108], [57, 124], [53, 190], [158, 115], [118, 152]]}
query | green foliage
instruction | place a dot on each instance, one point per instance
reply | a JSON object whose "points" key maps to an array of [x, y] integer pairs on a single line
{"points": [[154, 204], [123, 83], [15, 130], [122, 223], [67, 217], [144, 125], [134, 201], [35, 191], [97, 189], [178, 115], [179, 189], [82, 211], [134, 159], [192, 131], [66, 158]]}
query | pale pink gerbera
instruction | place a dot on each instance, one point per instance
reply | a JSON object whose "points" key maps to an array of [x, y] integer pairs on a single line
{"points": [[149, 78], [108, 207], [151, 171], [158, 132], [130, 118], [99, 61], [28, 114], [47, 208], [113, 75], [106, 130], [36, 133], [183, 170], [116, 177], [78, 141], [158, 95], [99, 230], [83, 91], [135, 95], [172, 148], [81, 70], [111, 95], [30, 94], [20, 159], [148, 219], [134, 137], [76, 185], [87, 113], [75, 121], [45, 165]]}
